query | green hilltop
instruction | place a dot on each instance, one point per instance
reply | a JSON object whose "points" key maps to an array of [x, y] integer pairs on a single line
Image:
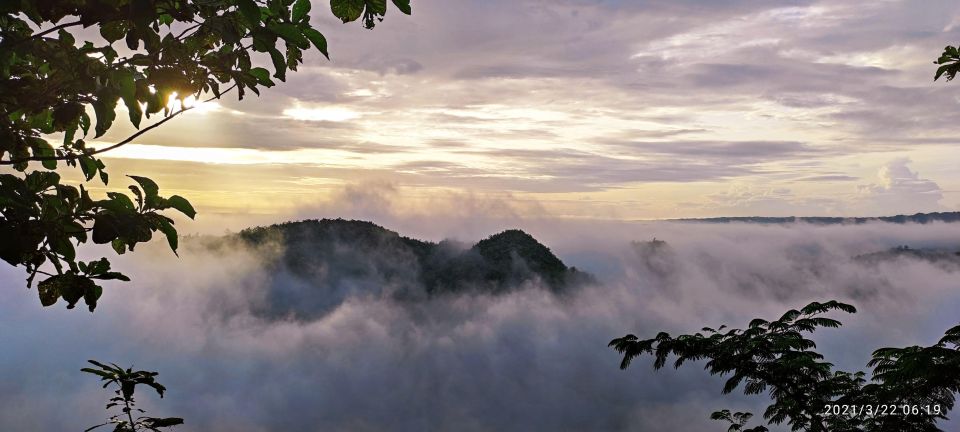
{"points": [[335, 258]]}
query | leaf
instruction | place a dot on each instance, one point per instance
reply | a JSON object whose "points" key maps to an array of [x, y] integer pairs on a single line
{"points": [[49, 293], [113, 31], [300, 10], [127, 87], [138, 194], [318, 41], [250, 11], [39, 181], [377, 7], [289, 33], [118, 246], [122, 201], [62, 246], [164, 422], [403, 5], [99, 266], [347, 10], [113, 276], [279, 63], [105, 229], [70, 287], [150, 189], [180, 203], [100, 365], [104, 107], [91, 295], [132, 41], [66, 37], [262, 75], [66, 114], [43, 149], [294, 56], [95, 372], [171, 233], [85, 123], [143, 12], [89, 167]]}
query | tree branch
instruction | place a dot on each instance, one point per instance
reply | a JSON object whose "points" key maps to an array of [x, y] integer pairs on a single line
{"points": [[46, 32], [114, 146]]}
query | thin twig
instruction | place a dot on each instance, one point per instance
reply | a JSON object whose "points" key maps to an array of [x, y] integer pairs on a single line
{"points": [[108, 148], [46, 32], [179, 37]]}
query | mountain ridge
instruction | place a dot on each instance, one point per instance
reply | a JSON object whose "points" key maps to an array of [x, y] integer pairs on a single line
{"points": [[919, 218], [321, 262]]}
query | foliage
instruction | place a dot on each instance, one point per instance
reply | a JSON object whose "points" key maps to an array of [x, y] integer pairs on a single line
{"points": [[949, 63], [126, 382], [775, 357], [157, 56]]}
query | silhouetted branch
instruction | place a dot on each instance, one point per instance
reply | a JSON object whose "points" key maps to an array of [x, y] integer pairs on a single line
{"points": [[114, 146]]}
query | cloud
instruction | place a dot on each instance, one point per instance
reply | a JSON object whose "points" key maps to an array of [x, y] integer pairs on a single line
{"points": [[899, 187], [829, 177], [605, 96]]}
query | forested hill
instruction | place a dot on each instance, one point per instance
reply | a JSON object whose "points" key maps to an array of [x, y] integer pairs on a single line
{"points": [[920, 218], [332, 259]]}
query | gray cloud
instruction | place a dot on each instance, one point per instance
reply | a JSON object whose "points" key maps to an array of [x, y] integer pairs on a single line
{"points": [[828, 177], [607, 94]]}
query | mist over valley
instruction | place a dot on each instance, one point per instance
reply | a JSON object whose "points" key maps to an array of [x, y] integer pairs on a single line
{"points": [[345, 325]]}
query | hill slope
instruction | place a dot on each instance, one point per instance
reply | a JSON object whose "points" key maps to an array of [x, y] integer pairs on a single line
{"points": [[319, 263]]}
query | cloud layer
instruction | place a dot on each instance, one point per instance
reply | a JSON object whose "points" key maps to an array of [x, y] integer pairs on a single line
{"points": [[521, 361]]}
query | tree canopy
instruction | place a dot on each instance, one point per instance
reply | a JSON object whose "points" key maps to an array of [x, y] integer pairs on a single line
{"points": [[58, 90], [910, 389], [949, 63]]}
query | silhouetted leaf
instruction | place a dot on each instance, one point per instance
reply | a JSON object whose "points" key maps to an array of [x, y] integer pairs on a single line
{"points": [[347, 10], [250, 10], [403, 5], [182, 205], [318, 40], [300, 10]]}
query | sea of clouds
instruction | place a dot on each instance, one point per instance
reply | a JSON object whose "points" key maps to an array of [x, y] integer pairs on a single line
{"points": [[522, 361]]}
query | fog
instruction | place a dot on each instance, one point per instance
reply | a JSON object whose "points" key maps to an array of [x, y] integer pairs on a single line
{"points": [[526, 360]]}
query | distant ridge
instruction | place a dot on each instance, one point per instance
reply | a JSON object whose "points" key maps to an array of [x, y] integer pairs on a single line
{"points": [[944, 258], [919, 218]]}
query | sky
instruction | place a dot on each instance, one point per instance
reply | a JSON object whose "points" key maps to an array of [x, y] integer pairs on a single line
{"points": [[569, 119], [589, 109]]}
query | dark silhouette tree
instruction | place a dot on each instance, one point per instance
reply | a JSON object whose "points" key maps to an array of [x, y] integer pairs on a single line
{"points": [[949, 63], [125, 382], [54, 83], [910, 388]]}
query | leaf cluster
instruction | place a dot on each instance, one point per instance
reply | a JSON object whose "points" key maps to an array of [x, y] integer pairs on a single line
{"points": [[777, 358], [42, 219], [949, 63], [126, 382], [57, 90]]}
